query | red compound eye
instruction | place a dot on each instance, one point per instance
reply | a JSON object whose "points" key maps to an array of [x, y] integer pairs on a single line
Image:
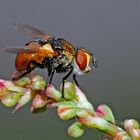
{"points": [[81, 59]]}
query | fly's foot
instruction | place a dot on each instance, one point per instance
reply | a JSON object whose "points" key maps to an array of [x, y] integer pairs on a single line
{"points": [[15, 76], [45, 89], [62, 91]]}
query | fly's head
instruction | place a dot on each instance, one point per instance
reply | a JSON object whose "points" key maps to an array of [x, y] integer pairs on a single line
{"points": [[82, 62]]}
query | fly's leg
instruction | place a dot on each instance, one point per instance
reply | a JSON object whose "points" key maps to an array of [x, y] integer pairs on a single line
{"points": [[51, 73], [29, 69], [74, 78], [47, 62], [50, 80], [63, 82], [36, 64], [23, 74], [51, 76]]}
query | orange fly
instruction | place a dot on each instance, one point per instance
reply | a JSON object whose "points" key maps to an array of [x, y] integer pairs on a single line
{"points": [[55, 54]]}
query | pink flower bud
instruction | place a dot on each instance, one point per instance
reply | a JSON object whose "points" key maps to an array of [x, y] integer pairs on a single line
{"points": [[135, 134], [82, 101], [82, 112], [66, 110], [99, 124], [3, 89], [53, 93], [38, 83], [9, 85], [122, 136], [39, 101], [105, 112], [131, 124], [69, 90], [2, 86], [24, 100], [23, 81], [76, 130], [10, 99]]}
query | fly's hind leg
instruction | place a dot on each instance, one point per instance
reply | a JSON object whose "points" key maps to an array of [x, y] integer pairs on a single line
{"points": [[23, 74], [29, 69]]}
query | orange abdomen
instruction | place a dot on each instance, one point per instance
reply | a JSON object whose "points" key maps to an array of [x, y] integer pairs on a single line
{"points": [[23, 59]]}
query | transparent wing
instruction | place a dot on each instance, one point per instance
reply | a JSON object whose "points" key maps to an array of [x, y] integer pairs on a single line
{"points": [[45, 50], [32, 47], [19, 49], [31, 31]]}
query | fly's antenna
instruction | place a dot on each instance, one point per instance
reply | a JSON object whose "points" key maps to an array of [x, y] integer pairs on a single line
{"points": [[94, 61]]}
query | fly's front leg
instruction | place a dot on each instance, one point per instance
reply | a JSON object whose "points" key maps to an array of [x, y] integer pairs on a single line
{"points": [[74, 78], [63, 82]]}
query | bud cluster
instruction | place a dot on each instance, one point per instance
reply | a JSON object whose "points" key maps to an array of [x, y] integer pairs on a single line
{"points": [[73, 105]]}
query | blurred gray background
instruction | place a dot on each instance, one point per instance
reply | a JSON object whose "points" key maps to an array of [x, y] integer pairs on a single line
{"points": [[109, 29]]}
